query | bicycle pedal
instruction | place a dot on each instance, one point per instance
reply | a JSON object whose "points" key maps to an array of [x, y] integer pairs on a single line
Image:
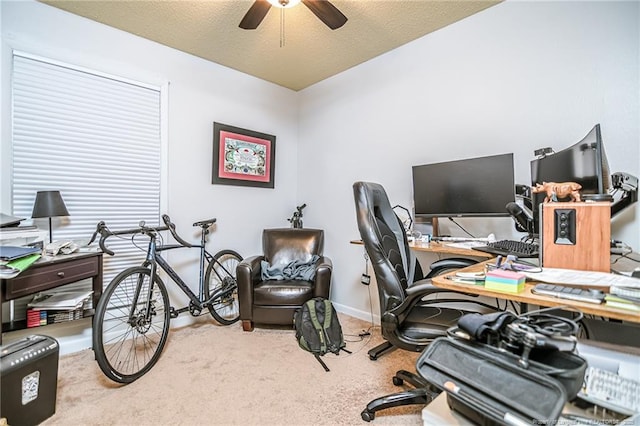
{"points": [[173, 313]]}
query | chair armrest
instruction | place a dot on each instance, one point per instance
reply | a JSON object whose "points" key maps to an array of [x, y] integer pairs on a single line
{"points": [[324, 268], [247, 275], [423, 288]]}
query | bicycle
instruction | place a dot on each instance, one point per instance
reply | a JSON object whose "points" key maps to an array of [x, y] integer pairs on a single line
{"points": [[131, 321]]}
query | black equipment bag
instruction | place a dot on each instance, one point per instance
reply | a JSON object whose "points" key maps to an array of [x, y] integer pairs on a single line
{"points": [[318, 329], [489, 386]]}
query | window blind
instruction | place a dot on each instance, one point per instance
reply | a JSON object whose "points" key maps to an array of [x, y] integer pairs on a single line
{"points": [[96, 139]]}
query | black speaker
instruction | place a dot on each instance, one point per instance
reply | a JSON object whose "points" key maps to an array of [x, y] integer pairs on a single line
{"points": [[28, 380]]}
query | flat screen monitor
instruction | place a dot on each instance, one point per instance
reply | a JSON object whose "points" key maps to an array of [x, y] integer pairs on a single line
{"points": [[585, 163], [474, 187]]}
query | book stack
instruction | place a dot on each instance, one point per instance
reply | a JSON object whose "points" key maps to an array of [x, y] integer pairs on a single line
{"points": [[503, 280], [37, 317], [56, 307], [624, 297], [14, 259]]}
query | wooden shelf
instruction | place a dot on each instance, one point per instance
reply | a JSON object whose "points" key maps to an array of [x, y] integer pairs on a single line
{"points": [[49, 273]]}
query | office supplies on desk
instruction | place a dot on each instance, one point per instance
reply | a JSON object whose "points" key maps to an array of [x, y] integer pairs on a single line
{"points": [[571, 293], [583, 278], [510, 247], [9, 253], [504, 280], [622, 302], [631, 292], [466, 280]]}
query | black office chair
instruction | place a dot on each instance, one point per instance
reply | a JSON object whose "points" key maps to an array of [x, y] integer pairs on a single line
{"points": [[408, 320]]}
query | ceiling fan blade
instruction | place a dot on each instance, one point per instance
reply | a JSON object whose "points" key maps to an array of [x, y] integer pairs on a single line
{"points": [[255, 15], [326, 12]]}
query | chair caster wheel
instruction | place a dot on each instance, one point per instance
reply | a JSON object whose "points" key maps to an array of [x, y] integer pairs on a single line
{"points": [[373, 357], [397, 381], [368, 416]]}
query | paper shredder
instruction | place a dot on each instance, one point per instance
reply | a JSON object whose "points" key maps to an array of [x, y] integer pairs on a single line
{"points": [[29, 380]]}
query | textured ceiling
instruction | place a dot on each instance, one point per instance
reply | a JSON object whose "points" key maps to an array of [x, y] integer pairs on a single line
{"points": [[311, 51]]}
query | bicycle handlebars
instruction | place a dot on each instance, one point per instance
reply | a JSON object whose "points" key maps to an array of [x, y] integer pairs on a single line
{"points": [[172, 228], [105, 232]]}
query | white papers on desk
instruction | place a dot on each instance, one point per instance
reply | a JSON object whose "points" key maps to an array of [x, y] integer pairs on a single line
{"points": [[582, 278], [467, 244]]}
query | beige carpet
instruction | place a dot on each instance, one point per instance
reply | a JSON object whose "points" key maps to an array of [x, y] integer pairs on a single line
{"points": [[210, 374]]}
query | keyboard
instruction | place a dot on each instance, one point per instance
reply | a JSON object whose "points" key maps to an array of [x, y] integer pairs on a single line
{"points": [[609, 390], [507, 247]]}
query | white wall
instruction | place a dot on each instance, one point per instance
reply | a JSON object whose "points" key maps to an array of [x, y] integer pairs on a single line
{"points": [[199, 93], [513, 78]]}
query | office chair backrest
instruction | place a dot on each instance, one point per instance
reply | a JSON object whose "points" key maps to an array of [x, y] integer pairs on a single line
{"points": [[385, 241]]}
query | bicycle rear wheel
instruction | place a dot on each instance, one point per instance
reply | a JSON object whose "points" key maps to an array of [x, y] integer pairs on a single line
{"points": [[127, 342], [221, 278]]}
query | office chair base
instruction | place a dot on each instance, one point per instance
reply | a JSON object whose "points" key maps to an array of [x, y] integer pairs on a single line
{"points": [[412, 378], [414, 396], [379, 350]]}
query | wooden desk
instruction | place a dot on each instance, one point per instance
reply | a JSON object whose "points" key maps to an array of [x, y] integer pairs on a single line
{"points": [[440, 248], [527, 296], [52, 272]]}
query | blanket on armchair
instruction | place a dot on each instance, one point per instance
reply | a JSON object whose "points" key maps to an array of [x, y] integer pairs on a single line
{"points": [[296, 270]]}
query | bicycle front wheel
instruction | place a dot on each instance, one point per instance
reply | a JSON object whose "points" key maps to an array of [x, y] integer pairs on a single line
{"points": [[220, 280], [131, 325]]}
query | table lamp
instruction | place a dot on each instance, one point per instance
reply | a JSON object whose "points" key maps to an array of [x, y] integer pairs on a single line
{"points": [[49, 204]]}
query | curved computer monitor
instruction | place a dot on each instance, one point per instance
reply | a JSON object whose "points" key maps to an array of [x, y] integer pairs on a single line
{"points": [[585, 162], [474, 187]]}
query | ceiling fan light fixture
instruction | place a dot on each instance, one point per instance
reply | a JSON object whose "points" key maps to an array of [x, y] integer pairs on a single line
{"points": [[284, 3]]}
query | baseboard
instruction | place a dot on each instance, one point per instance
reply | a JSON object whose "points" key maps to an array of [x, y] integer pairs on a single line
{"points": [[75, 336], [357, 313]]}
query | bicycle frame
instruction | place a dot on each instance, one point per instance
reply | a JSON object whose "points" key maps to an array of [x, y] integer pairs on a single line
{"points": [[155, 259]]}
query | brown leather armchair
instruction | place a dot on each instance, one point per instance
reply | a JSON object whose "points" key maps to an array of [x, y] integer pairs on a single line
{"points": [[273, 301]]}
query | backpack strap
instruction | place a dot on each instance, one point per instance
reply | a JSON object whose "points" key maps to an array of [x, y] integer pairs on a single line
{"points": [[322, 362], [327, 313], [316, 324]]}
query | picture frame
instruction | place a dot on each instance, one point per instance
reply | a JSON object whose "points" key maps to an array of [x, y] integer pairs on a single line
{"points": [[243, 157]]}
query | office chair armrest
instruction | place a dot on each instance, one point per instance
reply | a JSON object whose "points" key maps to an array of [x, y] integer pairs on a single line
{"points": [[394, 315], [422, 288]]}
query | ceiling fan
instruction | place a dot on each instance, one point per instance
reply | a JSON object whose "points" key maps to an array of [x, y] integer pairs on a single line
{"points": [[325, 11]]}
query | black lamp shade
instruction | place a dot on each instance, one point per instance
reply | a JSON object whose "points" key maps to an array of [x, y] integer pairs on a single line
{"points": [[49, 204]]}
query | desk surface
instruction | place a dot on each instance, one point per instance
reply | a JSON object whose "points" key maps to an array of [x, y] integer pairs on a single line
{"points": [[440, 248], [527, 296]]}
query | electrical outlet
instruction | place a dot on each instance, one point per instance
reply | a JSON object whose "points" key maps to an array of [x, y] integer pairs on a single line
{"points": [[366, 279]]}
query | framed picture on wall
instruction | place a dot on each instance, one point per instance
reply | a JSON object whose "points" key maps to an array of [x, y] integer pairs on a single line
{"points": [[243, 157]]}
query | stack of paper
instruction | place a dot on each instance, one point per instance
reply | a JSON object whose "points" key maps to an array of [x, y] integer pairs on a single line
{"points": [[60, 300], [624, 298]]}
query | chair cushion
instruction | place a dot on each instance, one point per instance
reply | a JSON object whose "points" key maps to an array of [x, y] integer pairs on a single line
{"points": [[283, 292], [430, 321]]}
